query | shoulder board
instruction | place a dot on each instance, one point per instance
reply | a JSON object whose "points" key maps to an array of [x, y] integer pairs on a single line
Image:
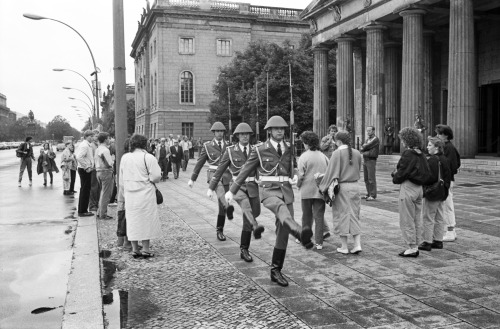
{"points": [[287, 144], [206, 143], [230, 146]]}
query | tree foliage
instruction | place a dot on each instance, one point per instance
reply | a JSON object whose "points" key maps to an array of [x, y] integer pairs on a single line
{"points": [[245, 78], [108, 119], [59, 127]]}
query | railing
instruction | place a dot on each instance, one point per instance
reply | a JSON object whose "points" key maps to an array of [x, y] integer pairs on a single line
{"points": [[224, 6]]}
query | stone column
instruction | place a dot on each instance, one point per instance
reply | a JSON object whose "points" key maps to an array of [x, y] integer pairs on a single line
{"points": [[345, 83], [462, 75], [321, 111], [374, 101], [428, 100], [412, 87], [359, 55], [392, 75]]}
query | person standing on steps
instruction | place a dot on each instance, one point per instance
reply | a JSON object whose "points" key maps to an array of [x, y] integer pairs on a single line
{"points": [[212, 152], [25, 153], [272, 160], [247, 196], [370, 150]]}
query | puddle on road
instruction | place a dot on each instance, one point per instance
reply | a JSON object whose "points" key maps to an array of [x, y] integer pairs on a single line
{"points": [[124, 308]]}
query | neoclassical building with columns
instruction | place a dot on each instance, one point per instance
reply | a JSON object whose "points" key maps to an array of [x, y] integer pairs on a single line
{"points": [[400, 58]]}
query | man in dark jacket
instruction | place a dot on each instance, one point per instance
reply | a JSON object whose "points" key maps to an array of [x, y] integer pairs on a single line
{"points": [[369, 150], [176, 155], [25, 153], [445, 133]]}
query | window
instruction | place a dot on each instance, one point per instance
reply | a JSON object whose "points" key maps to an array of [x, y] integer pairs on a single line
{"points": [[155, 93], [154, 47], [154, 131], [186, 46], [187, 94], [223, 47], [187, 129]]}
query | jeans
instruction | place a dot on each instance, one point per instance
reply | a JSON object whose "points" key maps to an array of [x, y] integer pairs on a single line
{"points": [[25, 164], [186, 160], [314, 209], [369, 167], [105, 181]]}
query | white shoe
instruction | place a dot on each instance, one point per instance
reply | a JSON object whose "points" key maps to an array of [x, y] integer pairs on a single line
{"points": [[449, 236], [356, 250], [319, 246], [297, 241], [343, 251]]}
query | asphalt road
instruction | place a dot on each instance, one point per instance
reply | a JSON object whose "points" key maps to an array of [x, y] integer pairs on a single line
{"points": [[36, 226]]}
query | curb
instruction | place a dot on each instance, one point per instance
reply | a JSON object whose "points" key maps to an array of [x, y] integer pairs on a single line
{"points": [[83, 306]]}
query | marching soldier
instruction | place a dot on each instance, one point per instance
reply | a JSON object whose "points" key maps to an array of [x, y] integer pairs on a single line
{"points": [[272, 160], [248, 195], [212, 152]]}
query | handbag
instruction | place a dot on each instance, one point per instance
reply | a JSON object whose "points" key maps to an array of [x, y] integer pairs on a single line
{"points": [[436, 191], [330, 194], [159, 196]]}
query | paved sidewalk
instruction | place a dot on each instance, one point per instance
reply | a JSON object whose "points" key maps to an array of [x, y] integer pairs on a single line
{"points": [[196, 281]]}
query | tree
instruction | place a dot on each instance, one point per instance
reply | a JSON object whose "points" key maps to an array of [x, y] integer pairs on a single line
{"points": [[19, 130], [59, 127], [248, 69]]}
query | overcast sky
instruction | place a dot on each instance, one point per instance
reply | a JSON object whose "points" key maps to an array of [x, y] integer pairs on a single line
{"points": [[30, 49]]}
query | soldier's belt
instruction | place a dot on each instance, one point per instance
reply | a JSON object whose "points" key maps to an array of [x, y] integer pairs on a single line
{"points": [[248, 179], [211, 167], [274, 179]]}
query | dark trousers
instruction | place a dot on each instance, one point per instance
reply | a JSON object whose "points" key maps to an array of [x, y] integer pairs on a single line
{"points": [[25, 164], [284, 220], [369, 167], [85, 184], [176, 166], [163, 163], [72, 182], [314, 210], [95, 191], [186, 160]]}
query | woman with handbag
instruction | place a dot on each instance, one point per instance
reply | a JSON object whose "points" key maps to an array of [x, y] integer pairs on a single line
{"points": [[68, 168], [139, 170], [345, 167], [435, 192], [46, 163]]}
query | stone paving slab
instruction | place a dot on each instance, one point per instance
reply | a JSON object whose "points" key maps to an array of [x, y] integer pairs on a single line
{"points": [[196, 281]]}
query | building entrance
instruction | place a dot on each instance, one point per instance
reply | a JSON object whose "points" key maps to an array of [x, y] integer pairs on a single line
{"points": [[489, 119]]}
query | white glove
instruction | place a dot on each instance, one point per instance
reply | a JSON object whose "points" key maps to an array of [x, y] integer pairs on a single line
{"points": [[210, 194], [229, 197], [294, 180], [190, 183]]}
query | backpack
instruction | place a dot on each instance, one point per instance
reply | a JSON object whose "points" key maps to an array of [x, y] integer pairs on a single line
{"points": [[19, 152]]}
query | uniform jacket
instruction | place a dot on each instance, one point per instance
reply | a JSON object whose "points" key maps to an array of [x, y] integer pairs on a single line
{"points": [[370, 148], [23, 148], [211, 153], [178, 155], [265, 159], [233, 160]]}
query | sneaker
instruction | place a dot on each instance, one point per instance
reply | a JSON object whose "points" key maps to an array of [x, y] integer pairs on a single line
{"points": [[425, 246], [343, 251], [319, 246], [365, 197], [437, 244], [370, 198], [297, 241], [356, 250], [449, 236]]}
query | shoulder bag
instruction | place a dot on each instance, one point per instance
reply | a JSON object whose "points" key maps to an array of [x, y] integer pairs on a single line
{"points": [[159, 196], [436, 191]]}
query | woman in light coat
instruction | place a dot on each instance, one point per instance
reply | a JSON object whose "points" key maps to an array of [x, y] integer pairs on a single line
{"points": [[68, 168], [345, 167], [46, 163], [312, 161], [138, 171]]}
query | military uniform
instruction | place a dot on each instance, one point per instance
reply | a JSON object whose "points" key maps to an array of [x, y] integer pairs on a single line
{"points": [[212, 153]]}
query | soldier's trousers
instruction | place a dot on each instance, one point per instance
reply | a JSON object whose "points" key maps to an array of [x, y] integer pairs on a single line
{"points": [[221, 190], [284, 220], [250, 208]]}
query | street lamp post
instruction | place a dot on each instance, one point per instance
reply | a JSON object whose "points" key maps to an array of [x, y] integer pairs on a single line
{"points": [[96, 70], [257, 109], [77, 108], [84, 102], [229, 107], [70, 88], [88, 83], [267, 94]]}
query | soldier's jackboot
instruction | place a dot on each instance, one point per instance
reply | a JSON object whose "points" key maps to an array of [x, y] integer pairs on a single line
{"points": [[229, 212], [257, 230], [304, 235], [221, 219], [276, 266], [246, 236]]}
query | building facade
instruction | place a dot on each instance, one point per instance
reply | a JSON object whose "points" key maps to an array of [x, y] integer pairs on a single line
{"points": [[6, 115], [400, 58], [178, 50]]}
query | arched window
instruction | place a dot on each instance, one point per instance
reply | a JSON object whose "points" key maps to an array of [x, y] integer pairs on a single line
{"points": [[187, 88]]}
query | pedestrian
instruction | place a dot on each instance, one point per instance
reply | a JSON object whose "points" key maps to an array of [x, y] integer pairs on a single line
{"points": [[95, 191], [345, 167], [388, 137], [112, 151], [162, 154], [272, 160], [212, 152], [433, 210], [312, 161], [46, 163], [85, 158], [445, 133], [68, 168], [176, 155], [184, 144], [104, 173], [139, 171], [121, 229], [247, 196], [328, 142], [199, 145], [370, 150], [411, 173], [191, 147], [25, 153]]}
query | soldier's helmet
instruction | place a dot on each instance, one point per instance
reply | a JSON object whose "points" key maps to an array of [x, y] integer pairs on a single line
{"points": [[276, 122], [218, 126], [243, 128]]}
